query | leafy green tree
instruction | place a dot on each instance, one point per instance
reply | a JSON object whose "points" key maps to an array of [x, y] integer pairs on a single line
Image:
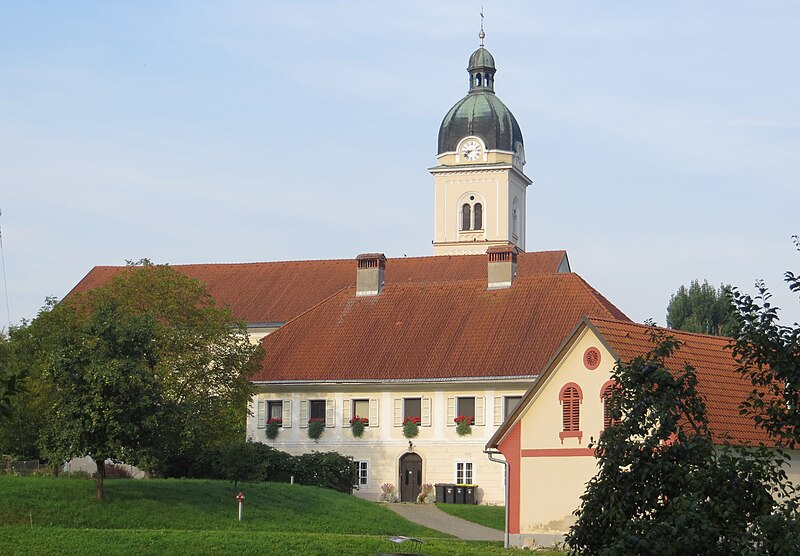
{"points": [[663, 487], [24, 357], [702, 308], [769, 355], [162, 360], [107, 401]]}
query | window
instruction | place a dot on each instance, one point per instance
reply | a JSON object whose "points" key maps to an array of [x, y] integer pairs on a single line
{"points": [[360, 409], [466, 213], [605, 395], [362, 474], [412, 407], [511, 403], [465, 407], [464, 474], [275, 410], [478, 220], [570, 398], [316, 409]]}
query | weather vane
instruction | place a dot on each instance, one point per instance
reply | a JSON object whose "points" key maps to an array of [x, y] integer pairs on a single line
{"points": [[481, 35]]}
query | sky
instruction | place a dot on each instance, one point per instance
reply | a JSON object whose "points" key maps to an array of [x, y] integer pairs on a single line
{"points": [[663, 138]]}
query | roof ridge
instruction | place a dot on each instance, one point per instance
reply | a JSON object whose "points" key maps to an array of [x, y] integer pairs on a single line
{"points": [[603, 300], [665, 329]]}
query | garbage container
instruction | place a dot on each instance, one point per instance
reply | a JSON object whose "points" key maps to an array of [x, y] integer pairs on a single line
{"points": [[469, 494], [460, 490], [439, 493], [449, 493]]}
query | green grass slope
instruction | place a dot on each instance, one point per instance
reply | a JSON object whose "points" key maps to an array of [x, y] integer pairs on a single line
{"points": [[60, 516], [488, 516]]}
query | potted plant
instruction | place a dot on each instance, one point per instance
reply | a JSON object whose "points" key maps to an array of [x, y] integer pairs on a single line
{"points": [[464, 424], [357, 425], [274, 425], [316, 426], [411, 427]]}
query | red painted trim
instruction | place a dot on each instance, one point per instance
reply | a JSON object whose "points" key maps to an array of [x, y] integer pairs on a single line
{"points": [[591, 358], [557, 452], [510, 448], [608, 384], [567, 385], [571, 434]]}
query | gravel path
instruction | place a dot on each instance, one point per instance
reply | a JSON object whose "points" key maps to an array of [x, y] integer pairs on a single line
{"points": [[434, 518]]}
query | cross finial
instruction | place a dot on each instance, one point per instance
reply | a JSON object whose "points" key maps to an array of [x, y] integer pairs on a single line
{"points": [[481, 35]]}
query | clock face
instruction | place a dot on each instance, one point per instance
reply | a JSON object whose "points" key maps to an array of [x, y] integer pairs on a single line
{"points": [[471, 150]]}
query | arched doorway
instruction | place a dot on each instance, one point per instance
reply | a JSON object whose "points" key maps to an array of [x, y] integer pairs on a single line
{"points": [[410, 477]]}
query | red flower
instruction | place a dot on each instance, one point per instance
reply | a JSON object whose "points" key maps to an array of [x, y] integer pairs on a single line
{"points": [[415, 420], [358, 419]]}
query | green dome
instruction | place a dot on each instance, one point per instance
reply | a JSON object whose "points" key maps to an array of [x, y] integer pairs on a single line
{"points": [[480, 113]]}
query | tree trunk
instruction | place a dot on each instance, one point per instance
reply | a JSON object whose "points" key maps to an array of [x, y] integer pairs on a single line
{"points": [[101, 474]]}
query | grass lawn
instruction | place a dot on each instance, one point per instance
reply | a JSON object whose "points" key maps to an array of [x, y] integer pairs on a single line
{"points": [[45, 515], [489, 516]]}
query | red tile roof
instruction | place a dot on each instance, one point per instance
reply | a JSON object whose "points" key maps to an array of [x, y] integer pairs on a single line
{"points": [[279, 291], [433, 330], [717, 380]]}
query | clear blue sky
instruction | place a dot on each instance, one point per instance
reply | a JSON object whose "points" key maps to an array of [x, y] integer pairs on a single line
{"points": [[663, 138]]}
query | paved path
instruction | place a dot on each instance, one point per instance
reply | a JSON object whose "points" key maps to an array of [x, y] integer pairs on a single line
{"points": [[434, 518]]}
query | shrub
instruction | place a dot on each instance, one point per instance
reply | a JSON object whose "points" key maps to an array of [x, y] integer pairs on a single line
{"points": [[411, 427], [316, 427], [357, 425], [273, 427], [327, 470], [426, 495], [388, 493], [463, 424]]}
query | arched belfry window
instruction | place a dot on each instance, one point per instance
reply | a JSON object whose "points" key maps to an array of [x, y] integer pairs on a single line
{"points": [[477, 222], [466, 213], [478, 78]]}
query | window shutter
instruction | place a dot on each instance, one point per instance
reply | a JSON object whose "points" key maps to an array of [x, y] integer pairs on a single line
{"points": [[330, 413], [426, 412], [480, 410], [304, 414], [398, 412], [261, 415], [347, 412], [498, 411], [286, 409], [374, 412], [451, 412], [571, 410]]}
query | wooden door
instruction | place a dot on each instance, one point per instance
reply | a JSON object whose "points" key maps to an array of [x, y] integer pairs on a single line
{"points": [[410, 477]]}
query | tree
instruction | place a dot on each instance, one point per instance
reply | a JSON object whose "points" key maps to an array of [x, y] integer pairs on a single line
{"points": [[662, 485], [146, 369], [702, 308], [768, 354], [24, 357]]}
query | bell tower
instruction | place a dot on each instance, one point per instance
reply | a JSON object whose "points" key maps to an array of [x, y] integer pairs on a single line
{"points": [[479, 182]]}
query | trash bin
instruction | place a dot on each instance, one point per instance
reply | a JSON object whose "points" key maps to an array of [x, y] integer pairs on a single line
{"points": [[439, 493], [460, 490], [449, 493], [469, 494]]}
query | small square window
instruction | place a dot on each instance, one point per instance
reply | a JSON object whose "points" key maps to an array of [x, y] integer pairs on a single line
{"points": [[274, 410], [412, 407], [360, 409], [362, 473], [464, 474], [465, 407], [316, 409], [511, 403]]}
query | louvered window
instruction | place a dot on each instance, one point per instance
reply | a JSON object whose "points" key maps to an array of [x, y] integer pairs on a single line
{"points": [[605, 395], [570, 398]]}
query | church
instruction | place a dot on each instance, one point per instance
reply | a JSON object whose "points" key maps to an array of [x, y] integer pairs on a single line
{"points": [[459, 335]]}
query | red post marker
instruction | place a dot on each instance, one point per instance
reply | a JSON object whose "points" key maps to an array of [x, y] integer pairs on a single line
{"points": [[240, 499]]}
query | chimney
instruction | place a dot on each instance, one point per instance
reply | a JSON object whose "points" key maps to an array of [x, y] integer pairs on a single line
{"points": [[369, 273], [502, 265]]}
